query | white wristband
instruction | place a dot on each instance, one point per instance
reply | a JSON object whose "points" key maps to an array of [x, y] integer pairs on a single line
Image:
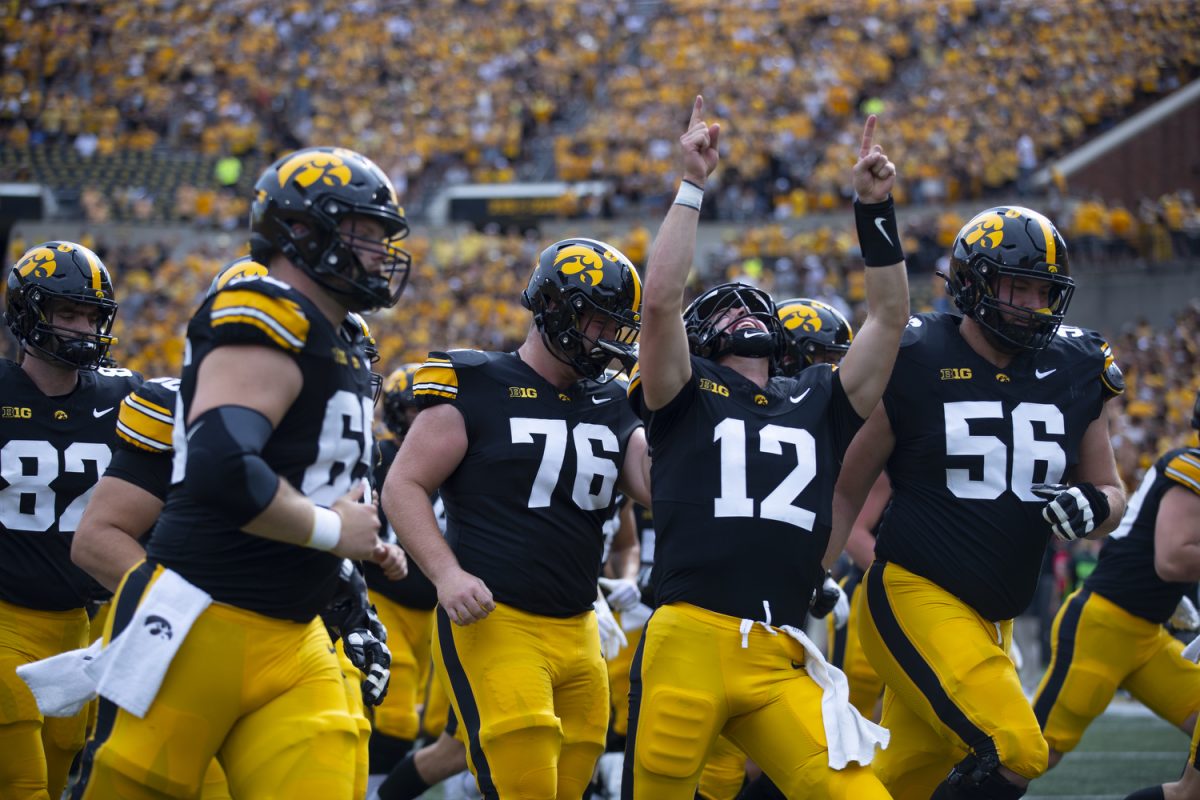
{"points": [[326, 531], [689, 195]]}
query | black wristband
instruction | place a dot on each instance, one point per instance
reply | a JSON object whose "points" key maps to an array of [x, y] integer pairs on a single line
{"points": [[877, 234]]}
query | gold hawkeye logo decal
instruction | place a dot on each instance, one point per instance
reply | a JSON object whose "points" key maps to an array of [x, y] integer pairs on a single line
{"points": [[989, 228], [804, 318], [581, 262], [39, 263], [308, 168]]}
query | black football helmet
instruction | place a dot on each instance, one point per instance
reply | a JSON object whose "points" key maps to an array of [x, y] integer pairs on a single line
{"points": [[710, 337], [299, 203], [356, 331], [244, 268], [574, 282], [398, 399], [61, 271], [1019, 243], [815, 333], [1196, 412]]}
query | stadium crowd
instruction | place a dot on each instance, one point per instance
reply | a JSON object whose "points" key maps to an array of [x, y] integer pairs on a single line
{"points": [[497, 90]]}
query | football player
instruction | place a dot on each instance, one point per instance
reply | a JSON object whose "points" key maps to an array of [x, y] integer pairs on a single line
{"points": [[995, 436], [528, 449], [743, 467], [273, 441], [1109, 634], [56, 437]]}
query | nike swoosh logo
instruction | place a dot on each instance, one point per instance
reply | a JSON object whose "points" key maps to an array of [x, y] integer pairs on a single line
{"points": [[1039, 374], [97, 413], [600, 400], [800, 396], [879, 224]]}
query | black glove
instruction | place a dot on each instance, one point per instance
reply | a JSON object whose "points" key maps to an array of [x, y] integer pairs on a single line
{"points": [[371, 656], [351, 617], [350, 604], [1072, 511], [829, 597]]}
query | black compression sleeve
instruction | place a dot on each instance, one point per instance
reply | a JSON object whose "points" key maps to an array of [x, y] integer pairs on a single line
{"points": [[225, 468]]}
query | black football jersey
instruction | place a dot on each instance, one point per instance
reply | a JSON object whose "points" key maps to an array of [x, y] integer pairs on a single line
{"points": [[53, 450], [526, 507], [145, 422], [743, 482], [971, 439], [1125, 572], [415, 590], [322, 446]]}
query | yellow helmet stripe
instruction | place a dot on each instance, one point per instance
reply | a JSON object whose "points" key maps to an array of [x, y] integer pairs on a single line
{"points": [[637, 290], [1047, 234], [91, 259]]}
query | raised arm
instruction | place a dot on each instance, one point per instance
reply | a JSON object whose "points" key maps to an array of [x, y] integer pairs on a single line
{"points": [[868, 364], [665, 362]]}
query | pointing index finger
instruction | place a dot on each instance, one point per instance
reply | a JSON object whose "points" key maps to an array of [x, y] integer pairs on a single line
{"points": [[697, 112], [868, 137]]}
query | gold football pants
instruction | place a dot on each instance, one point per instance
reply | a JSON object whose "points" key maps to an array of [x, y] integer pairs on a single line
{"points": [[692, 680], [951, 685], [264, 695], [531, 696], [35, 751], [1099, 647]]}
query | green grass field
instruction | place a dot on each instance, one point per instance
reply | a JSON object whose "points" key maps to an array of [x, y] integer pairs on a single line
{"points": [[1125, 749]]}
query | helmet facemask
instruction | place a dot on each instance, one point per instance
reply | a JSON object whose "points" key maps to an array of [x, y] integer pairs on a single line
{"points": [[1009, 326], [586, 299], [585, 334], [52, 275], [66, 346], [711, 331], [308, 206], [331, 255], [1020, 244]]}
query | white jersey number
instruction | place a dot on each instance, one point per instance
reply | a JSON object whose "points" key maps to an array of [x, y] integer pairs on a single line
{"points": [[994, 468], [27, 503], [588, 464], [734, 500], [345, 441]]}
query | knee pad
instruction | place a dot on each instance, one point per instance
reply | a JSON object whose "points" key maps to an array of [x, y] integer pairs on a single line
{"points": [[522, 756], [977, 777], [674, 729]]}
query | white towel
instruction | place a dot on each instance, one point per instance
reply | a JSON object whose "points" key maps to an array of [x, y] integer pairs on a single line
{"points": [[60, 685], [850, 737], [131, 669]]}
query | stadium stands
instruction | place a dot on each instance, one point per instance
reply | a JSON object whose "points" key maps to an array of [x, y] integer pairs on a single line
{"points": [[141, 103]]}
